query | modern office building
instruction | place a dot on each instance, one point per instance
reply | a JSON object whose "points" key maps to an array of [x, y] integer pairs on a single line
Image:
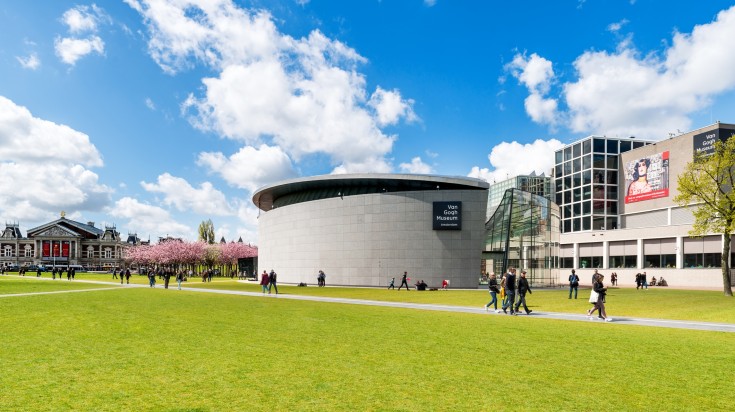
{"points": [[586, 182], [523, 232], [633, 224], [535, 184]]}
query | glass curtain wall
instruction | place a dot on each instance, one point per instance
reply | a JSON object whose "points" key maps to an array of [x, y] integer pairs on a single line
{"points": [[524, 233]]}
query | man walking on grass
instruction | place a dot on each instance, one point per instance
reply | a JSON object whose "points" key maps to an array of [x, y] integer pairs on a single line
{"points": [[404, 281], [523, 287]]}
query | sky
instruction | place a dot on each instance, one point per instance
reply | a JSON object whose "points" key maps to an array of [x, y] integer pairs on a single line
{"points": [[154, 116]]}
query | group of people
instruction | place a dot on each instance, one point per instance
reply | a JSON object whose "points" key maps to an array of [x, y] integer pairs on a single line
{"points": [[512, 290], [124, 275], [269, 281]]}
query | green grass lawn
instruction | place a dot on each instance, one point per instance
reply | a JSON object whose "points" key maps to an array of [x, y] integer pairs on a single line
{"points": [[168, 350]]}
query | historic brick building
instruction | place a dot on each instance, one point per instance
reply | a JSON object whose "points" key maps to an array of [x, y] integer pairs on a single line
{"points": [[64, 242]]}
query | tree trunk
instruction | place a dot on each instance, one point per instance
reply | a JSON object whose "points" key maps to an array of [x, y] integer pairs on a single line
{"points": [[726, 283]]}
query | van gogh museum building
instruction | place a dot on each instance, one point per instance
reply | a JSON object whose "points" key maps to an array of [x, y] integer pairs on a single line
{"points": [[607, 205]]}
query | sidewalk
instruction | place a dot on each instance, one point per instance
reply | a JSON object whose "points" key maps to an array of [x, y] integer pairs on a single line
{"points": [[660, 323]]}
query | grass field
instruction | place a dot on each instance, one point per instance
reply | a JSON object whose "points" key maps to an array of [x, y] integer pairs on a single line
{"points": [[165, 350]]}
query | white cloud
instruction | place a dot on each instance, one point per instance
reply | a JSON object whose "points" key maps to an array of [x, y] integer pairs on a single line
{"points": [[179, 193], [512, 159], [44, 167], [416, 166], [31, 62], [70, 50], [626, 92], [149, 104], [83, 18], [390, 107], [153, 220], [250, 168], [302, 95], [540, 109], [615, 27], [535, 72], [429, 3]]}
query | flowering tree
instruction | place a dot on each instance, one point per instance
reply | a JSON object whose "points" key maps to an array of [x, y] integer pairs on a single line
{"points": [[175, 254]]}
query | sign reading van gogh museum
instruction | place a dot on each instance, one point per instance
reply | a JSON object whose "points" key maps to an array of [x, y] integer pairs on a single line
{"points": [[647, 178], [447, 215], [704, 143]]}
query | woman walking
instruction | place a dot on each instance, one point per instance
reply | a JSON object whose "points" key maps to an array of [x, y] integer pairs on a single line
{"points": [[264, 281], [492, 286]]}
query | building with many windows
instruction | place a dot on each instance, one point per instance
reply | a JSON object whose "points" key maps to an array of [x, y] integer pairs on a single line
{"points": [[64, 242], [535, 184], [586, 182], [618, 214]]}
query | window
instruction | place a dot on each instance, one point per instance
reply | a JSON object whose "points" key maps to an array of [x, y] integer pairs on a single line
{"points": [[90, 253], [108, 253], [29, 252], [693, 260], [599, 145], [624, 147], [567, 153], [586, 223], [712, 260], [590, 262], [623, 262], [612, 162], [576, 165], [612, 146], [586, 162], [8, 252], [586, 147], [559, 156], [659, 261], [577, 150], [566, 262], [598, 161]]}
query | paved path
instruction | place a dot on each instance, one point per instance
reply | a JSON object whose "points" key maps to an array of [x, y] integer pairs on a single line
{"points": [[661, 323]]}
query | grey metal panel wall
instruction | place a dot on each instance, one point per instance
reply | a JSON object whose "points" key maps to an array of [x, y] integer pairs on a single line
{"points": [[364, 240]]}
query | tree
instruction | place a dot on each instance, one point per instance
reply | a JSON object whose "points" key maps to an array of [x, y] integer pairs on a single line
{"points": [[206, 231], [707, 184]]}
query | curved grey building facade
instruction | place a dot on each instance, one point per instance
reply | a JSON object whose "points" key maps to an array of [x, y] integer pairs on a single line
{"points": [[364, 229]]}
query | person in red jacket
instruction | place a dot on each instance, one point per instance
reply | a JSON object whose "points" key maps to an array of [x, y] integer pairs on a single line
{"points": [[264, 281]]}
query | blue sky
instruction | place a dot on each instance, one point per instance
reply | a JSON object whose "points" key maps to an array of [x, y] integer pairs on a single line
{"points": [[156, 115]]}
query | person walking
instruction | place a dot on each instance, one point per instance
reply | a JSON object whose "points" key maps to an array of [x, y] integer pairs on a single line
{"points": [[492, 286], [404, 281], [166, 278], [321, 278], [152, 279], [272, 278], [510, 291], [601, 290], [114, 273], [180, 278], [392, 284], [573, 284], [127, 276], [523, 287], [264, 281]]}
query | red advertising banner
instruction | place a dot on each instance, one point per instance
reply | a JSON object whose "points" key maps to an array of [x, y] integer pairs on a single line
{"points": [[46, 248], [65, 249], [55, 247], [647, 178]]}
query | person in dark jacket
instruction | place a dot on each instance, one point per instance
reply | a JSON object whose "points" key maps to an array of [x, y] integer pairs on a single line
{"points": [[509, 283], [601, 290], [492, 286], [272, 278], [573, 284], [523, 287]]}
